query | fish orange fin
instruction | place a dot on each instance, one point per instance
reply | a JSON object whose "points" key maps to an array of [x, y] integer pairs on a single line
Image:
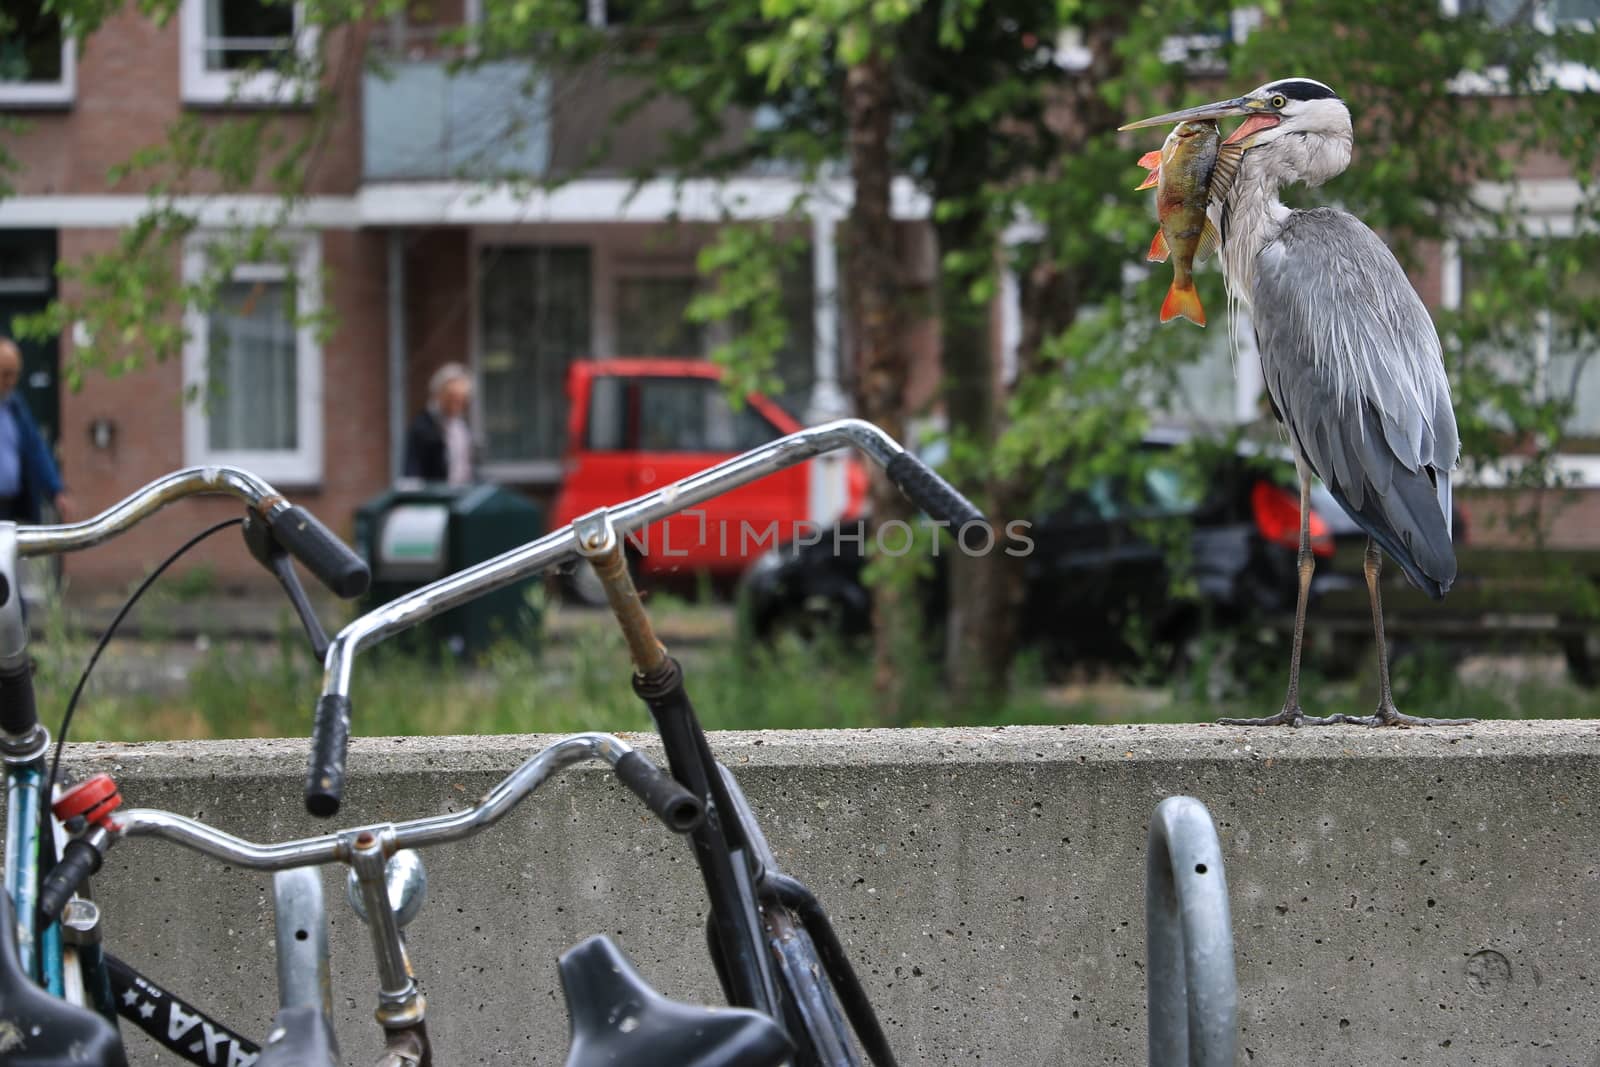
{"points": [[1158, 248], [1151, 180], [1185, 302], [1151, 160], [1208, 243]]}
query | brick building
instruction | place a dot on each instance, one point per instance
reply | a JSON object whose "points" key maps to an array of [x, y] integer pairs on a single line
{"points": [[421, 267]]}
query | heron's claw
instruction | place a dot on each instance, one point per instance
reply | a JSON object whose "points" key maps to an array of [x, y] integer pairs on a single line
{"points": [[1297, 718], [1388, 716], [1291, 715]]}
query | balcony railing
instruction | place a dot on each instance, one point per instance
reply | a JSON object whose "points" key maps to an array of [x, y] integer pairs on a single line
{"points": [[425, 119]]}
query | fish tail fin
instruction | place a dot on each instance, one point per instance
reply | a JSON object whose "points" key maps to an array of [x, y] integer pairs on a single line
{"points": [[1185, 301]]}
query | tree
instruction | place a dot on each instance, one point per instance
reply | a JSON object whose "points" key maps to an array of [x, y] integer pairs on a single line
{"points": [[1004, 112]]}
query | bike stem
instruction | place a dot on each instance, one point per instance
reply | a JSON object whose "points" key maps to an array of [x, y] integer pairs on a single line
{"points": [[720, 852]]}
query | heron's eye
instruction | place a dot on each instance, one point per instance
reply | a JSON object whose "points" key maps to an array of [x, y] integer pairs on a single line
{"points": [[1279, 102]]}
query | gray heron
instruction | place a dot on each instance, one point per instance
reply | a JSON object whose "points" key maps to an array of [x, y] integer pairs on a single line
{"points": [[1350, 357]]}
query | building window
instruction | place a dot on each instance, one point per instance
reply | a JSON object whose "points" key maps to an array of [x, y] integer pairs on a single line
{"points": [[37, 61], [606, 13], [1564, 358], [1540, 16], [244, 51], [650, 318], [1543, 15], [534, 313], [253, 369]]}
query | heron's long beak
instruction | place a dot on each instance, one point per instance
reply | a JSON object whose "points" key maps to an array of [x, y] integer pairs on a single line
{"points": [[1239, 105]]}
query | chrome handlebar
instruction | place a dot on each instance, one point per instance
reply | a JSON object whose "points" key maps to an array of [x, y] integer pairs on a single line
{"points": [[191, 481], [561, 546], [341, 847], [331, 731], [288, 528], [367, 849]]}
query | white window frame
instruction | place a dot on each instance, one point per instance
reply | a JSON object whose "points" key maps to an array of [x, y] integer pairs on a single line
{"points": [[1567, 76], [1549, 207], [46, 94], [1190, 49], [202, 86], [302, 466]]}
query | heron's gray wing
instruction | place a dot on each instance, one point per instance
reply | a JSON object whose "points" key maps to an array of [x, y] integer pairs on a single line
{"points": [[1353, 364]]}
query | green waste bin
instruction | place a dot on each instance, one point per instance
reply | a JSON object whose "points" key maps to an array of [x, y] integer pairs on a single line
{"points": [[412, 536]]}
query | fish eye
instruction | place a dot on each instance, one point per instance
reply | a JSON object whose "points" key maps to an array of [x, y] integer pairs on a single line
{"points": [[1279, 101]]}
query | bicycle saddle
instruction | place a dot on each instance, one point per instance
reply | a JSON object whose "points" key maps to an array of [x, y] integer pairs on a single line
{"points": [[617, 1020], [39, 1030]]}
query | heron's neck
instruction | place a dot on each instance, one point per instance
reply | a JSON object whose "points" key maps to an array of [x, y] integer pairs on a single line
{"points": [[1254, 216]]}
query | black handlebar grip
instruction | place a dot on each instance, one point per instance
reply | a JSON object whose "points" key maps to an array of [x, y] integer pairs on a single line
{"points": [[931, 493], [78, 861], [330, 742], [674, 805], [335, 563]]}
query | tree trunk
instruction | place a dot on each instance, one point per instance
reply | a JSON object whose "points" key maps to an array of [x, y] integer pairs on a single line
{"points": [[871, 275], [989, 588], [981, 625]]}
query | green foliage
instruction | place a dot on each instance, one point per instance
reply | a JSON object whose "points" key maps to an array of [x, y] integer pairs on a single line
{"points": [[746, 264]]}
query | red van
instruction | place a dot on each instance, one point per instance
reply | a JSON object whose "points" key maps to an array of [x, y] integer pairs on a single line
{"points": [[637, 424]]}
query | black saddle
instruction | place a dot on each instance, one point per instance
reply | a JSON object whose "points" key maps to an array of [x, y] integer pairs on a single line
{"points": [[39, 1030], [617, 1020]]}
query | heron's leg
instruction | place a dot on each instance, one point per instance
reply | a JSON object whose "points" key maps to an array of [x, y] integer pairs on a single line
{"points": [[1387, 714], [1305, 563]]}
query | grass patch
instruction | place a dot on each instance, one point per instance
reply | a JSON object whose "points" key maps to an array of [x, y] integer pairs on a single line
{"points": [[256, 689]]}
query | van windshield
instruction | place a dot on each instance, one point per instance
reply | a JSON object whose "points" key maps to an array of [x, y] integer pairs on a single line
{"points": [[651, 414]]}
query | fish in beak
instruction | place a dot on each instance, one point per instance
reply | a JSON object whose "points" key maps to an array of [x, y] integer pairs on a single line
{"points": [[1260, 117]]}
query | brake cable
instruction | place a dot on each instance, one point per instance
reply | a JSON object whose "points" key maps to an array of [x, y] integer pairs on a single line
{"points": [[105, 639]]}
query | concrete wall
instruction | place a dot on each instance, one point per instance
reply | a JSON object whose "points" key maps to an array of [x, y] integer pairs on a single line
{"points": [[1416, 897]]}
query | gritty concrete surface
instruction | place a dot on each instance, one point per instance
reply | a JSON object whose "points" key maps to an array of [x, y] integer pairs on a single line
{"points": [[1399, 897]]}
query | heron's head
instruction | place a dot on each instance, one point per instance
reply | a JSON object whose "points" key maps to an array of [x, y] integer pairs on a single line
{"points": [[1295, 127]]}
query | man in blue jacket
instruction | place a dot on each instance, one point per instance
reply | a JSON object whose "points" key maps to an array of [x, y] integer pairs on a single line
{"points": [[28, 475]]}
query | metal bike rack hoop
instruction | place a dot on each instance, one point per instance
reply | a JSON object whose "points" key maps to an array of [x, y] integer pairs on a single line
{"points": [[1193, 998]]}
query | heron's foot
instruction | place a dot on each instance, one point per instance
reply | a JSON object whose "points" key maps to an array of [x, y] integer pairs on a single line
{"points": [[1289, 716], [1388, 716], [1293, 715]]}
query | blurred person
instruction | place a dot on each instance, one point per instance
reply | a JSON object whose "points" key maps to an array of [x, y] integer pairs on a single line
{"points": [[28, 474], [439, 445]]}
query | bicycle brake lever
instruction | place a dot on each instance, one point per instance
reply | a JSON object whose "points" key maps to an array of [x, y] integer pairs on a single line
{"points": [[271, 555]]}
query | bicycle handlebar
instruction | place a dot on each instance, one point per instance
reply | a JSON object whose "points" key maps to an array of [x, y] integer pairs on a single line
{"points": [[331, 731], [679, 809], [333, 562]]}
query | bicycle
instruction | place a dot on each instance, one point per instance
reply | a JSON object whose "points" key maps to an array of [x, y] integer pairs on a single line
{"points": [[66, 959], [68, 993], [775, 951]]}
